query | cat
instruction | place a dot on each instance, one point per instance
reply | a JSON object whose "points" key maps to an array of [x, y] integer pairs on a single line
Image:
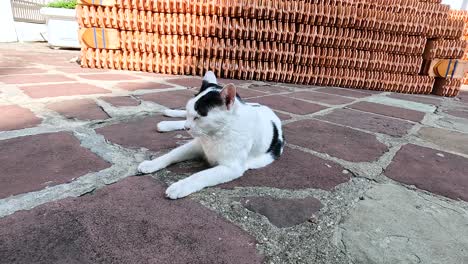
{"points": [[230, 134]]}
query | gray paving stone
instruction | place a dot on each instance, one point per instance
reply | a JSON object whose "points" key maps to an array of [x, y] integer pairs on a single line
{"points": [[446, 139], [396, 225]]}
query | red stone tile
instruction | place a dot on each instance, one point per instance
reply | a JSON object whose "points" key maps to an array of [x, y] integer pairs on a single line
{"points": [[126, 222], [20, 70], [82, 109], [78, 69], [345, 92], [321, 98], [142, 134], [133, 86], [31, 163], [337, 141], [108, 77], [246, 93], [15, 117], [463, 97], [222, 81], [425, 99], [187, 82], [69, 89], [458, 113], [283, 117], [431, 170], [171, 99], [294, 170], [387, 110], [120, 101], [283, 212], [37, 78], [269, 88], [287, 104], [369, 122]]}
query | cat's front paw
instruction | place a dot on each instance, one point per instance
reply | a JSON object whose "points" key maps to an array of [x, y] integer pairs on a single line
{"points": [[164, 126], [179, 189], [149, 166]]}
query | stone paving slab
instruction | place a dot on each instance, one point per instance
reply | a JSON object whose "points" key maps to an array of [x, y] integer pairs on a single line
{"points": [[173, 99], [54, 90], [121, 101], [458, 113], [191, 82], [20, 70], [396, 225], [142, 134], [387, 110], [39, 78], [128, 222], [431, 100], [15, 117], [271, 89], [369, 122], [338, 141], [345, 92], [82, 109], [283, 212], [108, 77], [446, 139], [321, 97], [290, 105], [34, 162], [428, 169], [134, 86]]}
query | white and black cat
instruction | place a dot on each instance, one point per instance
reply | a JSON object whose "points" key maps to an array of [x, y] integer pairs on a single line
{"points": [[230, 134]]}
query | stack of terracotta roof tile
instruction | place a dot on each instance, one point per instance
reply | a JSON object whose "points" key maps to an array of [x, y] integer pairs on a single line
{"points": [[462, 14], [366, 44]]}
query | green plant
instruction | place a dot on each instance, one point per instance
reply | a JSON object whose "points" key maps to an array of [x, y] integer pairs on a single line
{"points": [[69, 4]]}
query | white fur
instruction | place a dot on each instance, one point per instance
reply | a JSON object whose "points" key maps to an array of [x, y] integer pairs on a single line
{"points": [[166, 126], [175, 113], [232, 141]]}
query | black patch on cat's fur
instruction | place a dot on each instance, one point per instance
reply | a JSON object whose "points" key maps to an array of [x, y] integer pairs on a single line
{"points": [[206, 85], [276, 143], [208, 101]]}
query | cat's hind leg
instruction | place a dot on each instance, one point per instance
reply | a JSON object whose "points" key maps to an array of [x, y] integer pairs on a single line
{"points": [[191, 150], [175, 113], [259, 161], [166, 126]]}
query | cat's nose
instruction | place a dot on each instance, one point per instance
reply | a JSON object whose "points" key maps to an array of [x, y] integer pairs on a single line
{"points": [[186, 127]]}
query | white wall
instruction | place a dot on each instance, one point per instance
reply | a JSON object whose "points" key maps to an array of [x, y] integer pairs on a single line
{"points": [[7, 31], [454, 4]]}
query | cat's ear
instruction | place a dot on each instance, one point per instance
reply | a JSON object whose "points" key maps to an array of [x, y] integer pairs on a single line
{"points": [[210, 77], [229, 95]]}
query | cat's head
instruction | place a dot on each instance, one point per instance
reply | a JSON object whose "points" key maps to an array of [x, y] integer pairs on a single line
{"points": [[210, 110]]}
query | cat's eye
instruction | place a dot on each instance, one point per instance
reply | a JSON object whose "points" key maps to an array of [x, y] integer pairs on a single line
{"points": [[196, 118]]}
